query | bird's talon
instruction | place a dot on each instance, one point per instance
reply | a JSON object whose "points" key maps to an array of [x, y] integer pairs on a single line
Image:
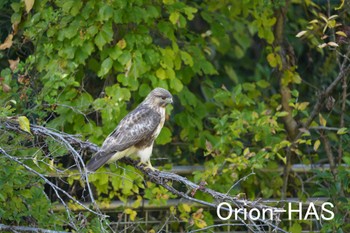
{"points": [[149, 166]]}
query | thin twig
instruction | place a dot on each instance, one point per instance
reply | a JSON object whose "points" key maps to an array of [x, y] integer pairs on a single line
{"points": [[55, 187], [239, 181], [329, 153], [342, 116]]}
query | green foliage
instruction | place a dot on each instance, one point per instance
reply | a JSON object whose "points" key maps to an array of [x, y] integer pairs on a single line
{"points": [[23, 200], [83, 65]]}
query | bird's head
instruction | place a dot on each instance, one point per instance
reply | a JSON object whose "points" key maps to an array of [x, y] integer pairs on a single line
{"points": [[159, 97]]}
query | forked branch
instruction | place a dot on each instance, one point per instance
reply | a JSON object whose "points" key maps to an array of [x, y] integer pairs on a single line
{"points": [[165, 179]]}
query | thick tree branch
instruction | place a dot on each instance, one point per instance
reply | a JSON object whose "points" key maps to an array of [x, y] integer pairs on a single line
{"points": [[165, 179]]}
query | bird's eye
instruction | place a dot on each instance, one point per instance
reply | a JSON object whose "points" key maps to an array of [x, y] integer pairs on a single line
{"points": [[163, 98]]}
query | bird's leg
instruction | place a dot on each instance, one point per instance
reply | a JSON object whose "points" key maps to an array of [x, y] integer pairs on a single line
{"points": [[149, 165], [141, 163]]}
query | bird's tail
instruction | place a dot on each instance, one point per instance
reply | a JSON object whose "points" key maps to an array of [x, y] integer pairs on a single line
{"points": [[97, 161]]}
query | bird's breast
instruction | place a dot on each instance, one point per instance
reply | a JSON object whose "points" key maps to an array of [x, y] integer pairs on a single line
{"points": [[161, 123]]}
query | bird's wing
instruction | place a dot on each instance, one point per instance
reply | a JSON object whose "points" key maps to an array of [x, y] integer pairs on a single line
{"points": [[137, 125], [134, 127]]}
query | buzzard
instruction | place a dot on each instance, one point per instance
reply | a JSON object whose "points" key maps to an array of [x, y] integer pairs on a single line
{"points": [[136, 132]]}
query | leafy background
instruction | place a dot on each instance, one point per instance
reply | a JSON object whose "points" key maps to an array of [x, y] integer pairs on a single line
{"points": [[244, 85]]}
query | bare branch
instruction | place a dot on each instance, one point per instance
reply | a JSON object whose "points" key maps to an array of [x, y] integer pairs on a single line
{"points": [[55, 187], [342, 117], [165, 179], [344, 71], [67, 140], [27, 229], [328, 149]]}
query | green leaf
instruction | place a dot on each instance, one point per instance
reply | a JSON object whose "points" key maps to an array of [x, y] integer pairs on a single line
{"points": [[104, 36], [187, 58], [295, 228], [105, 13], [342, 131], [282, 114], [144, 90], [127, 186], [164, 136], [105, 67], [67, 5], [190, 11], [168, 2], [24, 123], [170, 73], [263, 83], [160, 73], [75, 10], [115, 52], [92, 30], [346, 160], [176, 84]]}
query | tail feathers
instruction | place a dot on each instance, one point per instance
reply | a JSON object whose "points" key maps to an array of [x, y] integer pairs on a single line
{"points": [[98, 161]]}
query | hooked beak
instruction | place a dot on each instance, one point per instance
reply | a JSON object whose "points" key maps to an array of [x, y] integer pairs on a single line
{"points": [[169, 100]]}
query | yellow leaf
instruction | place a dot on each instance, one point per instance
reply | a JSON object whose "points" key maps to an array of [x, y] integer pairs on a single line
{"points": [[342, 131], [246, 151], [35, 160], [168, 2], [271, 58], [13, 63], [317, 145], [341, 33], [7, 43], [132, 213], [24, 123], [333, 17], [313, 21], [332, 23], [323, 121], [302, 106], [51, 164], [137, 203], [324, 18], [296, 78], [282, 158], [300, 34], [341, 5], [121, 44], [200, 223], [333, 44], [186, 208], [321, 46], [29, 5], [174, 17]]}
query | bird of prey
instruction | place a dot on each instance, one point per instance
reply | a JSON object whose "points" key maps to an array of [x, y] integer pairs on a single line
{"points": [[136, 132]]}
